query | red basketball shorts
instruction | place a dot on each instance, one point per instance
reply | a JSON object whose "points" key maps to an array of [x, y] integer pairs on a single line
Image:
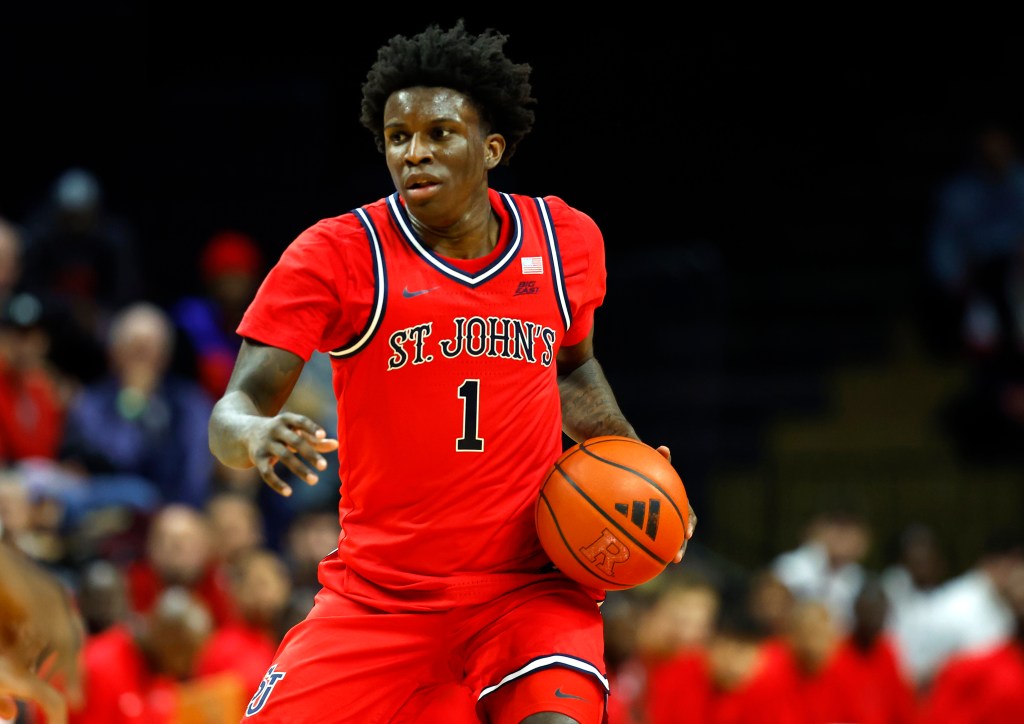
{"points": [[348, 662]]}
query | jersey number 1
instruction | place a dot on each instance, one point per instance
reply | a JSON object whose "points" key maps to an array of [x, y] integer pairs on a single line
{"points": [[469, 393]]}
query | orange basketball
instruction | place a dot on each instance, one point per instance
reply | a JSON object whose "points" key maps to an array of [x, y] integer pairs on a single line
{"points": [[612, 513]]}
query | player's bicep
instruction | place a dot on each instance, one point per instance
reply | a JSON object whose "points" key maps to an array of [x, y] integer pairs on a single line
{"points": [[265, 374], [573, 356]]}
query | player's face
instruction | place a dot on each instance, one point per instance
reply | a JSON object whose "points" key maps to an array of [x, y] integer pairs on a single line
{"points": [[438, 153]]}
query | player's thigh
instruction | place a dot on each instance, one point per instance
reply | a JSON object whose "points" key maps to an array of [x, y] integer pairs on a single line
{"points": [[446, 703], [552, 626], [354, 663], [548, 696]]}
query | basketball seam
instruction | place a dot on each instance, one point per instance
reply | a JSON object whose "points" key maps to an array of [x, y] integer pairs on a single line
{"points": [[568, 546], [654, 484]]}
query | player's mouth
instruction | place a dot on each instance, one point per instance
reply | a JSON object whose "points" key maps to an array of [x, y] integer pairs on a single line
{"points": [[421, 187]]}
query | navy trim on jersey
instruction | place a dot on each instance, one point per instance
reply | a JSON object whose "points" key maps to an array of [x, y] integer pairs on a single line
{"points": [[401, 217], [549, 662], [555, 259], [380, 287]]}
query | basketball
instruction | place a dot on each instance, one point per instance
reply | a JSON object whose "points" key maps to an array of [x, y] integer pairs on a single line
{"points": [[612, 513]]}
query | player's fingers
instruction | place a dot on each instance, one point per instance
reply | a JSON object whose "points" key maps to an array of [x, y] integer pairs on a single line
{"points": [[325, 445], [301, 443], [663, 449], [691, 523], [293, 462], [265, 467], [303, 423], [680, 554]]}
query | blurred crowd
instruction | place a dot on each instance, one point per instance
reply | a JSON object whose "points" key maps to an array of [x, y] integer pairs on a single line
{"points": [[816, 636], [188, 573], [975, 265]]}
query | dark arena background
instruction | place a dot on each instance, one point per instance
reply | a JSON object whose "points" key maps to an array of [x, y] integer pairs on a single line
{"points": [[769, 194]]}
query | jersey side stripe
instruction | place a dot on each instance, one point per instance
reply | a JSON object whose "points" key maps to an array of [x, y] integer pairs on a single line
{"points": [[548, 662], [380, 282], [555, 259], [472, 280]]}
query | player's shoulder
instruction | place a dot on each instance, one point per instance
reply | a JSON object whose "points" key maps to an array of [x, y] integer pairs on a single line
{"points": [[568, 220], [574, 219], [338, 233]]}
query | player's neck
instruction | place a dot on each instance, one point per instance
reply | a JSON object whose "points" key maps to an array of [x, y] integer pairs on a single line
{"points": [[471, 237]]}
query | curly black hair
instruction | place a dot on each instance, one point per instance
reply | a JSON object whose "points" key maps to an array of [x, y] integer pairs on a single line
{"points": [[474, 65]]}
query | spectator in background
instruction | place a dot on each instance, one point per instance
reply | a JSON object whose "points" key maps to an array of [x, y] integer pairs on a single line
{"points": [[179, 552], [970, 612], [681, 619], [851, 677], [12, 248], [32, 400], [261, 588], [828, 566], [985, 687], [30, 523], [236, 523], [977, 264], [139, 419], [132, 669], [622, 613], [673, 638], [83, 255], [977, 228], [749, 682], [231, 268], [912, 585], [311, 536], [102, 594], [770, 603]]}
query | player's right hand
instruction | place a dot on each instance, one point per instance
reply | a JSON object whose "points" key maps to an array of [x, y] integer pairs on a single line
{"points": [[293, 440]]}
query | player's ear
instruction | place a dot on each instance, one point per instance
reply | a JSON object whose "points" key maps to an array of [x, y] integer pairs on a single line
{"points": [[494, 149]]}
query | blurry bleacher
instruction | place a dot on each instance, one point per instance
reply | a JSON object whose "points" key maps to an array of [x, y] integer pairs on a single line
{"points": [[788, 382]]}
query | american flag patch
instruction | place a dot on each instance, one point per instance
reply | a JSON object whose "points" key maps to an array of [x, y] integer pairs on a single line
{"points": [[532, 265]]}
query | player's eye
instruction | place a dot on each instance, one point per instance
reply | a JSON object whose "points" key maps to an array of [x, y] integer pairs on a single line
{"points": [[439, 134], [397, 137]]}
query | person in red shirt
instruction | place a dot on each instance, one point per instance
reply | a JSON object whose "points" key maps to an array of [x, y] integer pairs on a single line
{"points": [[32, 404], [851, 677], [985, 687], [133, 670], [179, 552], [460, 323], [737, 679], [245, 647], [867, 662]]}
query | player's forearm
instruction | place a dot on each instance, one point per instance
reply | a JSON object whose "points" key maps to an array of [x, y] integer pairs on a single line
{"points": [[589, 407], [230, 423]]}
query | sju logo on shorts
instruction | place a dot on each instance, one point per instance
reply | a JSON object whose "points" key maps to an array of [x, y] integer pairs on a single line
{"points": [[259, 699]]}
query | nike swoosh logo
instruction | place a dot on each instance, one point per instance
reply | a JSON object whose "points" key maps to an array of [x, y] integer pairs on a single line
{"points": [[409, 294], [560, 695]]}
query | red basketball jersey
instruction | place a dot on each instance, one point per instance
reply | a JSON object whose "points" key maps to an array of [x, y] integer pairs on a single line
{"points": [[449, 415]]}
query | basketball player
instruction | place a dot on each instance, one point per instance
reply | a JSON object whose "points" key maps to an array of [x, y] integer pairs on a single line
{"points": [[459, 320]]}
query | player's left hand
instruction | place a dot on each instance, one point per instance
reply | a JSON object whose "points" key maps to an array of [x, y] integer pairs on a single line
{"points": [[691, 519]]}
